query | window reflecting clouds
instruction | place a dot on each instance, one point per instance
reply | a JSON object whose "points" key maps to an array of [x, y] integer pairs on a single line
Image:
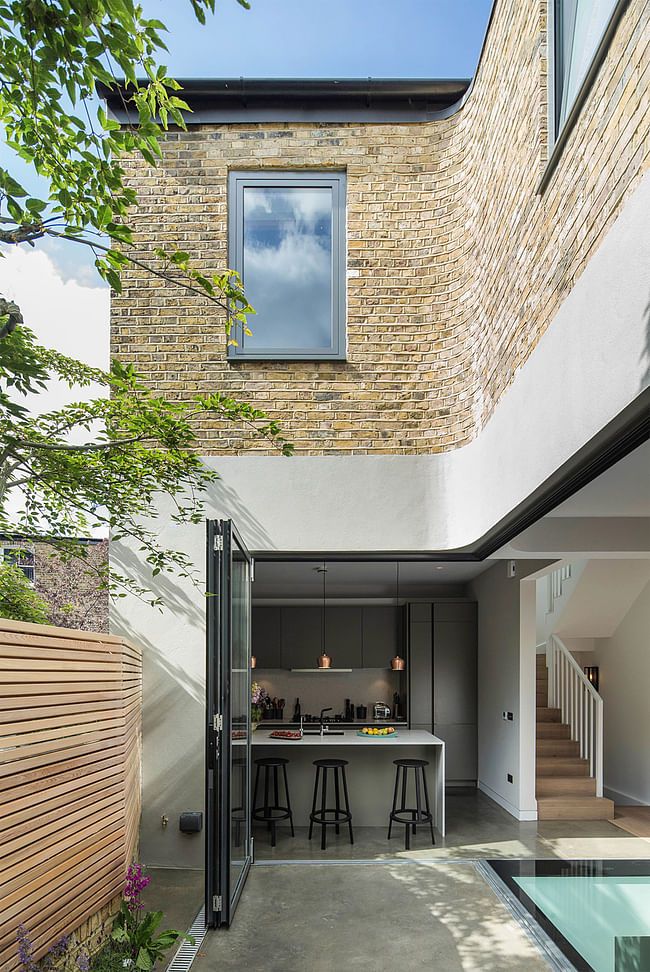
{"points": [[287, 240], [287, 266]]}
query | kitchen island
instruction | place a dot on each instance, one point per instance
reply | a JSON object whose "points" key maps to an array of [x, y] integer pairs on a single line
{"points": [[370, 773]]}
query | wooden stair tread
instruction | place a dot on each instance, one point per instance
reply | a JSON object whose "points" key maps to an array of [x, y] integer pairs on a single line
{"points": [[553, 730], [565, 786], [574, 808], [557, 747], [562, 766]]}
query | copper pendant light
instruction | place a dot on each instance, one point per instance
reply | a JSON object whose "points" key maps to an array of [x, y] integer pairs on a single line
{"points": [[397, 663]]}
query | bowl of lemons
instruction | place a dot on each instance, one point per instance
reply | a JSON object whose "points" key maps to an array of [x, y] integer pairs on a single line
{"points": [[377, 732]]}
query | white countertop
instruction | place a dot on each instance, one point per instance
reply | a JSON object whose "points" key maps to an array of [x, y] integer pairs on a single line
{"points": [[402, 737]]}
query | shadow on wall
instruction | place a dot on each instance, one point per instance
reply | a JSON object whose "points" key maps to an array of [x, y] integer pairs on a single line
{"points": [[173, 644], [228, 503], [186, 601]]}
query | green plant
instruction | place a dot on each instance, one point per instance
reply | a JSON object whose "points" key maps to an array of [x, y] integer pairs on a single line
{"points": [[99, 463], [137, 933], [18, 599], [110, 958], [128, 447], [134, 930]]}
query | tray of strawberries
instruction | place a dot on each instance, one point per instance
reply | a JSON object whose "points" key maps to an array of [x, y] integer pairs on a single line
{"points": [[284, 734]]}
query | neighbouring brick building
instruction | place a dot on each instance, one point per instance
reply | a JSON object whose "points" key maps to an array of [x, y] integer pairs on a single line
{"points": [[469, 353], [70, 588]]}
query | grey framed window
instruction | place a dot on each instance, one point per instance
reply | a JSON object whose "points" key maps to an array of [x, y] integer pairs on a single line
{"points": [[581, 31], [287, 240]]}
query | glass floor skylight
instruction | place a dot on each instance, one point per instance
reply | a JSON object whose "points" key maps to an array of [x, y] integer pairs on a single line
{"points": [[596, 912]]}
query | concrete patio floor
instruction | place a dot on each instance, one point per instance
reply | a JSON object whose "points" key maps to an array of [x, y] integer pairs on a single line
{"points": [[384, 917], [476, 828], [427, 908]]}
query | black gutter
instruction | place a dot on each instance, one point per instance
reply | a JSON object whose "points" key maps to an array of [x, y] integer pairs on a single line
{"points": [[329, 99]]}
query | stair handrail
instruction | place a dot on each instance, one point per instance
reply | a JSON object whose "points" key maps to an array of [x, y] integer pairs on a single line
{"points": [[580, 704]]}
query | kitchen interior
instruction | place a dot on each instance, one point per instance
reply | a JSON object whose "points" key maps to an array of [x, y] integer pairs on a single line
{"points": [[338, 645]]}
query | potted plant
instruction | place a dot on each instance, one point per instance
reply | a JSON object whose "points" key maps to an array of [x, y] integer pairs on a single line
{"points": [[257, 698]]}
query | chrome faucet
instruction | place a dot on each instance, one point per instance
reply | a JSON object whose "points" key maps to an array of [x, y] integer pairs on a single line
{"points": [[324, 728]]}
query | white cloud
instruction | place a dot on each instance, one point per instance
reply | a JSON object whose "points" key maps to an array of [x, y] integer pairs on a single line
{"points": [[66, 315], [289, 285]]}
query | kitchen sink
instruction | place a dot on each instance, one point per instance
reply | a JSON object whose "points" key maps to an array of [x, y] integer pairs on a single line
{"points": [[317, 732]]}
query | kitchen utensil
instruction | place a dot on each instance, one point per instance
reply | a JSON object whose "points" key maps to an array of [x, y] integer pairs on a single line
{"points": [[362, 712], [381, 711]]}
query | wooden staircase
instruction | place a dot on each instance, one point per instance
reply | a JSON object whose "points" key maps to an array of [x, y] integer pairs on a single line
{"points": [[564, 788]]}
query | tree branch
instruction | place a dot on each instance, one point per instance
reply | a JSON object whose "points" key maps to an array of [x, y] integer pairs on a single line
{"points": [[87, 447]]}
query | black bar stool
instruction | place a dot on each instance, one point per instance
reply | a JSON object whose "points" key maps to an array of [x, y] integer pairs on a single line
{"points": [[318, 815], [271, 813], [238, 812], [410, 816]]}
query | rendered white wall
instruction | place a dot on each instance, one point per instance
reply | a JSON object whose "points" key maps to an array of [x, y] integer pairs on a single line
{"points": [[601, 597], [173, 643], [506, 682], [624, 663]]}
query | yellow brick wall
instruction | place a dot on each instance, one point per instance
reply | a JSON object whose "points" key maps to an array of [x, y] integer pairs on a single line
{"points": [[455, 264]]}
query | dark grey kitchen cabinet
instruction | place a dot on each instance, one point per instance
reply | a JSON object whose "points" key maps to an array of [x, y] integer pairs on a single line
{"points": [[420, 668], [381, 635], [265, 636], [302, 631], [455, 611], [455, 687], [343, 636], [454, 680], [461, 752]]}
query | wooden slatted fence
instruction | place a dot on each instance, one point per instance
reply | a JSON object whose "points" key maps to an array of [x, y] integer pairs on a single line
{"points": [[70, 778]]}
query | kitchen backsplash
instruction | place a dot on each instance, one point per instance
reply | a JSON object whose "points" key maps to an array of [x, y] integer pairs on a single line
{"points": [[321, 689]]}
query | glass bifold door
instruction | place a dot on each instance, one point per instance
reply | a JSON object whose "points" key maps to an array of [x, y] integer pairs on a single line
{"points": [[228, 732]]}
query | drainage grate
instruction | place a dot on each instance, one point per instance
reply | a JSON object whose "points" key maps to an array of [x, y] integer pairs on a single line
{"points": [[283, 862], [187, 952]]}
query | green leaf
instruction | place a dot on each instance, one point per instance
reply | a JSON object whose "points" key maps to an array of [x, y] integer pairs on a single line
{"points": [[10, 186], [35, 205], [144, 960]]}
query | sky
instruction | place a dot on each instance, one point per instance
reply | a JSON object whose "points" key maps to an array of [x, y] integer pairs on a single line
{"points": [[336, 39], [64, 300]]}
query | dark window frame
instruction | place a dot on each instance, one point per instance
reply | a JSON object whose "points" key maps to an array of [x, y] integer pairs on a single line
{"points": [[558, 135], [238, 180], [15, 553]]}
